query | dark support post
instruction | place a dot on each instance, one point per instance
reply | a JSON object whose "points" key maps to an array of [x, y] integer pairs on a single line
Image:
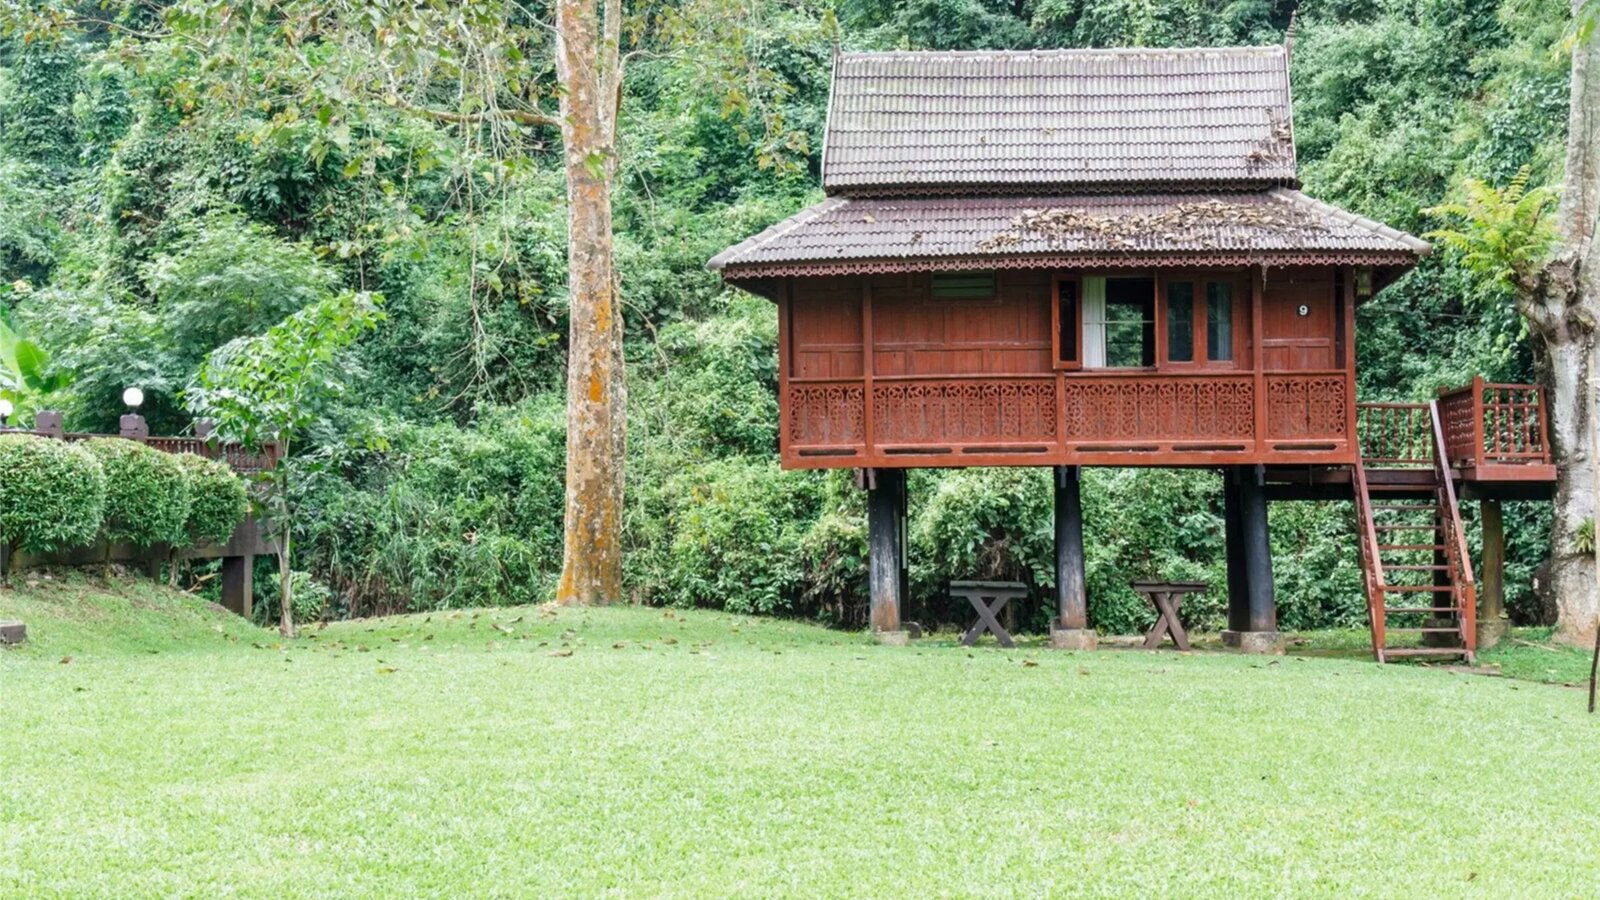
{"points": [[1071, 629], [1492, 621], [238, 584], [1233, 538], [1261, 610], [885, 511]]}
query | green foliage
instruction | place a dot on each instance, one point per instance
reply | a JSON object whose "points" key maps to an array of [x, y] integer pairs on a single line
{"points": [[52, 494], [311, 598], [265, 388], [223, 277], [147, 492], [1505, 233], [1583, 540], [727, 534], [218, 501], [442, 517], [25, 374]]}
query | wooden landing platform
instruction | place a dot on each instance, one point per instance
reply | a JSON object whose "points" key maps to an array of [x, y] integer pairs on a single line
{"points": [[1532, 481]]}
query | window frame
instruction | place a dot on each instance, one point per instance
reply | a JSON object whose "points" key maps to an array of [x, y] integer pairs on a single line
{"points": [[1237, 280], [1076, 363]]}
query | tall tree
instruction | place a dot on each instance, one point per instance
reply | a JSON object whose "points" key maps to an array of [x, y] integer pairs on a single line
{"points": [[1564, 319], [589, 67], [339, 68]]}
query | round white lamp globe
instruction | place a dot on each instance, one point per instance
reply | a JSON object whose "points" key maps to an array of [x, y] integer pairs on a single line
{"points": [[6, 409], [133, 397]]}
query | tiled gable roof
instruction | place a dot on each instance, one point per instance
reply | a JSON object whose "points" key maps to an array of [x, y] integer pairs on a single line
{"points": [[917, 122], [1280, 226]]}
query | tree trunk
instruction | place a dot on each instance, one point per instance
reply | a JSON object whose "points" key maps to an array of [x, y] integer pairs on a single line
{"points": [[1564, 323], [285, 571], [285, 588], [587, 67]]}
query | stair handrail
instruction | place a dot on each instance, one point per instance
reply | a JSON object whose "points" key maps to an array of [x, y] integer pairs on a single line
{"points": [[1370, 560], [1463, 586]]}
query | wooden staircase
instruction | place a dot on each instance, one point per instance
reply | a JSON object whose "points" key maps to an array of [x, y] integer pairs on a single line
{"points": [[1414, 557]]}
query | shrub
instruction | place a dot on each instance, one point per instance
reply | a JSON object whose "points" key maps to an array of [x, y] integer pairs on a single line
{"points": [[218, 501], [442, 518], [147, 495], [312, 598], [52, 494]]}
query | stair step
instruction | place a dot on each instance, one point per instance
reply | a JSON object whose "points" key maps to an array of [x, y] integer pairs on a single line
{"points": [[1410, 547], [1408, 567], [1419, 588], [1390, 610], [1388, 527], [1392, 628], [1430, 507], [1425, 651]]}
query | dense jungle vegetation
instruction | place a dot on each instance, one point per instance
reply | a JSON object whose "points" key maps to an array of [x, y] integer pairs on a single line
{"points": [[140, 229]]}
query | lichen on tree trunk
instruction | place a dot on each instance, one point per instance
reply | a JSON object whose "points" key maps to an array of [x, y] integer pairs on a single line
{"points": [[1562, 316], [588, 67]]}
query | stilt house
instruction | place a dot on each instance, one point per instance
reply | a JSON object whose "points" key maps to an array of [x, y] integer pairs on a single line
{"points": [[1102, 258]]}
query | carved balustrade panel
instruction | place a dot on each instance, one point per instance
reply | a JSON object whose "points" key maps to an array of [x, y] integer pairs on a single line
{"points": [[964, 411], [1160, 408], [823, 415], [1301, 407]]}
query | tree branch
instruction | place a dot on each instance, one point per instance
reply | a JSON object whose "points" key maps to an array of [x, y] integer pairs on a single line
{"points": [[520, 116]]}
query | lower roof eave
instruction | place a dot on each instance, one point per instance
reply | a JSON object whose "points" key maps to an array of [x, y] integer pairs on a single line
{"points": [[1395, 262]]}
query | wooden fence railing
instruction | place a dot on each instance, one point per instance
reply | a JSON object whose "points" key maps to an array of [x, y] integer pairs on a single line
{"points": [[1495, 424], [241, 460], [1483, 424]]}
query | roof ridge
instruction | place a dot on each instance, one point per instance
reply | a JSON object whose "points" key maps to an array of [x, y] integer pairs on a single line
{"points": [[1263, 49]]}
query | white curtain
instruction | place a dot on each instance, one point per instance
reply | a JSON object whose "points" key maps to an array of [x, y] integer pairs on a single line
{"points": [[1094, 322]]}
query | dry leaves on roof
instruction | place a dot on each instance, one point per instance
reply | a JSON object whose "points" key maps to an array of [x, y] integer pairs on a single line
{"points": [[1190, 224]]}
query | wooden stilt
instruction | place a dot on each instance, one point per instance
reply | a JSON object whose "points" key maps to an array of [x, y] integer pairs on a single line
{"points": [[1233, 538], [1071, 629], [885, 512], [1261, 607], [238, 584], [1492, 620]]}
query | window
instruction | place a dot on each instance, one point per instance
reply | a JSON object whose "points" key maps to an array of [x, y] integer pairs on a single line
{"points": [[963, 285], [1067, 323], [1119, 322], [1219, 321], [1180, 321]]}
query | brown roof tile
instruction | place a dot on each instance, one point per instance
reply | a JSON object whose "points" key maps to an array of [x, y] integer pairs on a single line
{"points": [[920, 121], [953, 232]]}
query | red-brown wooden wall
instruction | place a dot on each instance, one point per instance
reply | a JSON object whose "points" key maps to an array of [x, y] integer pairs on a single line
{"points": [[956, 382]]}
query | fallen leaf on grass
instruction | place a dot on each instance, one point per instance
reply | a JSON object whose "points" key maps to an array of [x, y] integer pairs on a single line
{"points": [[561, 653], [1029, 663], [66, 660], [387, 670], [618, 645]]}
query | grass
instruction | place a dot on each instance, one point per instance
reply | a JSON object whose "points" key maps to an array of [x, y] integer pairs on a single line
{"points": [[531, 751]]}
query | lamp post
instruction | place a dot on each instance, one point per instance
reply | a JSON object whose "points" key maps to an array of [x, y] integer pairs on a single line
{"points": [[133, 424]]}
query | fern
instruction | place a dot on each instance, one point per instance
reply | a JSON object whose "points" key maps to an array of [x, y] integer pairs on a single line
{"points": [[1504, 234]]}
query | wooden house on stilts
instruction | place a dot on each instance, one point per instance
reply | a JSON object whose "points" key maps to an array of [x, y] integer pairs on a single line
{"points": [[1101, 258]]}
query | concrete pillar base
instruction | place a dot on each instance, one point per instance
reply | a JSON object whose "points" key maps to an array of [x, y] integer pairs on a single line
{"points": [[1074, 639], [892, 638], [1269, 643], [12, 632], [1492, 632]]}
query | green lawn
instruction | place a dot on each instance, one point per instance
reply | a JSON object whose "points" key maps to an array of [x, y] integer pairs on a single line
{"points": [[526, 752]]}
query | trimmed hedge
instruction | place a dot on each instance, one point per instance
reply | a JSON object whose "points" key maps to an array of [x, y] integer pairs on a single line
{"points": [[147, 495], [218, 501], [52, 494]]}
